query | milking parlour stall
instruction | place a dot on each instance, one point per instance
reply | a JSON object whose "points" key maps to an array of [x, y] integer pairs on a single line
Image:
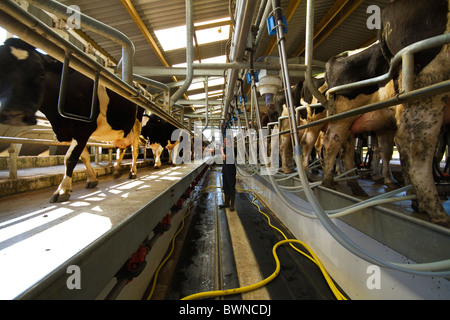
{"points": [[223, 159]]}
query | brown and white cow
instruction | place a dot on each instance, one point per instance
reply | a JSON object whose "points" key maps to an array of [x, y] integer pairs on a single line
{"points": [[29, 81], [419, 122]]}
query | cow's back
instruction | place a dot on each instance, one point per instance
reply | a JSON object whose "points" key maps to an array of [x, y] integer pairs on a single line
{"points": [[78, 101], [157, 130], [352, 67], [406, 22], [120, 114]]}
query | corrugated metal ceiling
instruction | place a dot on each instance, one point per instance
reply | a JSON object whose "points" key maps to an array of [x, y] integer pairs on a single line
{"points": [[339, 26]]}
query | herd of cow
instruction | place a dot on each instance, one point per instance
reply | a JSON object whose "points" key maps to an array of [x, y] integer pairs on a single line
{"points": [[29, 81], [413, 127]]}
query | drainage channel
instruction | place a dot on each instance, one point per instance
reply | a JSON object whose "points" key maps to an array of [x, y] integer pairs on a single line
{"points": [[222, 249]]}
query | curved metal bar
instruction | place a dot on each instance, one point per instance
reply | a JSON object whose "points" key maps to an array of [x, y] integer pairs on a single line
{"points": [[189, 53], [411, 49], [99, 28], [62, 94]]}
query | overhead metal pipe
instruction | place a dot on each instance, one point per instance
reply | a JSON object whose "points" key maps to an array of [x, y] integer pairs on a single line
{"points": [[189, 52], [309, 54], [206, 103], [278, 16], [29, 28], [244, 14], [155, 84], [99, 28], [213, 69], [262, 23]]}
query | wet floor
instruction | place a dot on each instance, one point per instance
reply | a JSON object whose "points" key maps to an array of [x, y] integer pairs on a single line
{"points": [[210, 254]]}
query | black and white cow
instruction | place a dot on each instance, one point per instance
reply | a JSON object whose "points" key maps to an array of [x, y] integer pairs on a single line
{"points": [[159, 134], [29, 81], [419, 122]]}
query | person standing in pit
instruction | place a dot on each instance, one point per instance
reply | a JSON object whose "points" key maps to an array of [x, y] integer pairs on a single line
{"points": [[228, 174]]}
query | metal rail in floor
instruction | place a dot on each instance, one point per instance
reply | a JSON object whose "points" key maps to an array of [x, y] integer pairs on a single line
{"points": [[224, 250]]}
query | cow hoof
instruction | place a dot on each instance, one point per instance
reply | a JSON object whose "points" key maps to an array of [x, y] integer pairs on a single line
{"points": [[329, 185], [116, 174], [57, 197], [91, 184], [358, 191], [132, 176], [445, 222], [287, 170], [391, 186]]}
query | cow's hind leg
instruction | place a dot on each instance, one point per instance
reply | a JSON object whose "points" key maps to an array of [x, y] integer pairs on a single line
{"points": [[416, 139], [286, 153], [135, 149], [133, 170], [65, 187], [335, 137], [91, 176], [348, 160], [386, 144], [119, 157]]}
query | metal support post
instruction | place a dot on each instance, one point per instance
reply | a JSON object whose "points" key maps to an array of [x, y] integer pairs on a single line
{"points": [[309, 54], [12, 150], [278, 15], [189, 52], [408, 72], [207, 116]]}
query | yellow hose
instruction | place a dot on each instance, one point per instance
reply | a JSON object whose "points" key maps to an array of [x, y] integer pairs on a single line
{"points": [[210, 294], [313, 256]]}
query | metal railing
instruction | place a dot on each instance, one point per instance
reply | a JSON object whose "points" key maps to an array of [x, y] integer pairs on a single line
{"points": [[13, 150], [32, 30]]}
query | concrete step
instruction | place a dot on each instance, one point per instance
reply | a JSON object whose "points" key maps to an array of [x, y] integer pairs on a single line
{"points": [[43, 177]]}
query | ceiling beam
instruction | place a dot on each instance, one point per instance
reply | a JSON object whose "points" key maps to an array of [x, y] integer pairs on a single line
{"points": [[143, 28], [327, 18], [212, 25], [328, 23]]}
